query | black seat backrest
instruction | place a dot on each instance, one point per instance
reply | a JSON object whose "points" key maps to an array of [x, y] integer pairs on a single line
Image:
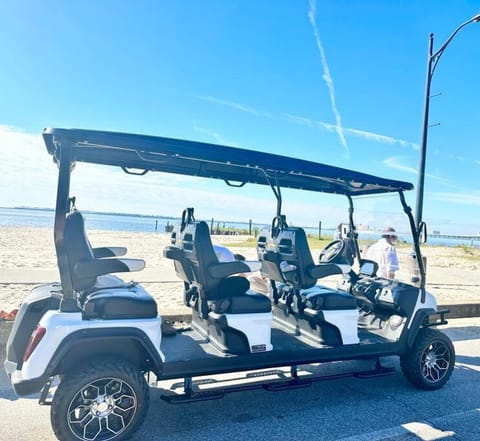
{"points": [[83, 265], [78, 249], [183, 267], [269, 258], [289, 247], [180, 240], [197, 264], [198, 250]]}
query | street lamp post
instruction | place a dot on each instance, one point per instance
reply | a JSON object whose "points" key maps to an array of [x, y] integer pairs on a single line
{"points": [[433, 58]]}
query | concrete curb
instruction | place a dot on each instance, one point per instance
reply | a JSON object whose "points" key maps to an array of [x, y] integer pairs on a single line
{"points": [[462, 310]]}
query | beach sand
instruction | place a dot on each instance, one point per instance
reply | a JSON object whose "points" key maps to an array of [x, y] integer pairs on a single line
{"points": [[27, 258]]}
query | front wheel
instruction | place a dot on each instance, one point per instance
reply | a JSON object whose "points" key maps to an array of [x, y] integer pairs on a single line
{"points": [[430, 361], [104, 400]]}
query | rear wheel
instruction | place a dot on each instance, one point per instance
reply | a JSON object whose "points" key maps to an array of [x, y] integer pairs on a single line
{"points": [[430, 361], [105, 400]]}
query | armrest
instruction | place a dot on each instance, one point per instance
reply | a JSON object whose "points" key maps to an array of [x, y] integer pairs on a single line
{"points": [[324, 270], [99, 267], [224, 269], [271, 256], [173, 253], [100, 253]]}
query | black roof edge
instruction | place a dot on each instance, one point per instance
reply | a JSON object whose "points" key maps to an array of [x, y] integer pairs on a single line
{"points": [[233, 164]]}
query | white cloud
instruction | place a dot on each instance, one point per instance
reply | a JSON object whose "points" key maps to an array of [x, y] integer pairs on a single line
{"points": [[472, 198], [28, 176], [215, 135], [327, 77], [396, 163]]}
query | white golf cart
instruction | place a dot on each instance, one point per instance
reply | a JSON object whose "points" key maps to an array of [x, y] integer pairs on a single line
{"points": [[96, 338]]}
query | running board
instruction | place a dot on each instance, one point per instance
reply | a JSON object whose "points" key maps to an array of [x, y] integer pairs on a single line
{"points": [[295, 382], [379, 371], [192, 397]]}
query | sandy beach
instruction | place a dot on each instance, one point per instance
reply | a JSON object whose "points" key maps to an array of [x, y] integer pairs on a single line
{"points": [[27, 258]]}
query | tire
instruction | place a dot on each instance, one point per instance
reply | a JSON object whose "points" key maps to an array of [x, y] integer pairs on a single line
{"points": [[430, 361], [105, 400]]}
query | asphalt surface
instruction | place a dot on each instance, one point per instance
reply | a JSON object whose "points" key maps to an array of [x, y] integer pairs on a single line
{"points": [[349, 409]]}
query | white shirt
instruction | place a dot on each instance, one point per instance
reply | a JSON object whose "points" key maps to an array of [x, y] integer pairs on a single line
{"points": [[385, 255]]}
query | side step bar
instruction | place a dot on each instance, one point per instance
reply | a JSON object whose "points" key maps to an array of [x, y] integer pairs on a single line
{"points": [[189, 395]]}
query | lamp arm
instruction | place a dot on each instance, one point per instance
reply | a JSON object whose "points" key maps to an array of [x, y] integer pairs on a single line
{"points": [[436, 56]]}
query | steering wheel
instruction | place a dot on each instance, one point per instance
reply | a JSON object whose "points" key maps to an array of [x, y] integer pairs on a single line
{"points": [[331, 251]]}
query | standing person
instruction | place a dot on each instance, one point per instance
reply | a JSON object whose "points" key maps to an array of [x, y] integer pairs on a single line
{"points": [[384, 253], [337, 234]]}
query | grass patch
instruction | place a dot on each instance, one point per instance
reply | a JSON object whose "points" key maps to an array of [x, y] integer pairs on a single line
{"points": [[251, 242], [469, 253]]}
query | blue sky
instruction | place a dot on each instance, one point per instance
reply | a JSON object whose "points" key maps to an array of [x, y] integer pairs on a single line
{"points": [[339, 82]]}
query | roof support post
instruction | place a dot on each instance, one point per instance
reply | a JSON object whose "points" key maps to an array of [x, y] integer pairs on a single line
{"points": [[64, 161], [353, 230], [416, 243]]}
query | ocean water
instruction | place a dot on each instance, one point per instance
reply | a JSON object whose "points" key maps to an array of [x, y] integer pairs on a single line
{"points": [[28, 217]]}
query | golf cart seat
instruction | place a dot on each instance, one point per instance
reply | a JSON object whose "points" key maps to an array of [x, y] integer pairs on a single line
{"points": [[319, 313], [197, 264], [102, 294], [224, 310], [289, 262]]}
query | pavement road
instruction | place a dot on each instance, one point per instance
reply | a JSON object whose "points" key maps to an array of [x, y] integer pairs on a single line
{"points": [[348, 409]]}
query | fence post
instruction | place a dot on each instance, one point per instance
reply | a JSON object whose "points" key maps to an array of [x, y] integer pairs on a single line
{"points": [[250, 227], [319, 230]]}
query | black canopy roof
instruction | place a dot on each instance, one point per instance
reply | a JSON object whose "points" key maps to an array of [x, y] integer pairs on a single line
{"points": [[235, 165]]}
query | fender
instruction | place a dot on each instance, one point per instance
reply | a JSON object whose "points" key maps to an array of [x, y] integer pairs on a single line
{"points": [[106, 337], [416, 324], [84, 343]]}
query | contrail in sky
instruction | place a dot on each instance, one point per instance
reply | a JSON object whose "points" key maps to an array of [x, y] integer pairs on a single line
{"points": [[234, 105], [301, 120], [348, 131], [327, 77]]}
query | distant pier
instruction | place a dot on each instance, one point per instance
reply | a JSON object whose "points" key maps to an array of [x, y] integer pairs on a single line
{"points": [[458, 237]]}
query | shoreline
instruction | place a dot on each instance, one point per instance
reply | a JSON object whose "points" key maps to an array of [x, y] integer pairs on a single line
{"points": [[136, 223]]}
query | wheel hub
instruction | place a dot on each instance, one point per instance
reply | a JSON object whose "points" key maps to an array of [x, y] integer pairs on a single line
{"points": [[102, 406], [102, 409], [431, 359], [435, 361]]}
